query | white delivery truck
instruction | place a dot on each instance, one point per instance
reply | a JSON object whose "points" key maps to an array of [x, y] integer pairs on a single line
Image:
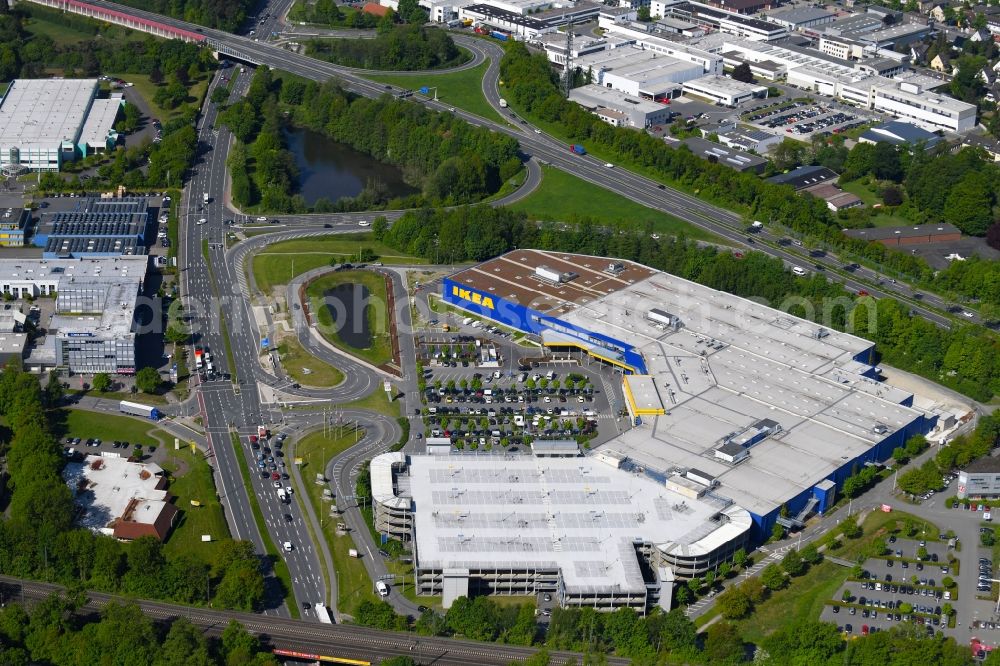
{"points": [[282, 495], [205, 198], [136, 409], [503, 103], [466, 321]]}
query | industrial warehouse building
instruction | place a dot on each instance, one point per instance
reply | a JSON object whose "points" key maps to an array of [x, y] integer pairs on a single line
{"points": [[773, 410], [96, 227], [723, 90], [980, 478], [93, 327], [45, 122], [620, 109]]}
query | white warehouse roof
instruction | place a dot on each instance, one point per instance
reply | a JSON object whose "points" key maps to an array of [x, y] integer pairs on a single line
{"points": [[44, 112]]}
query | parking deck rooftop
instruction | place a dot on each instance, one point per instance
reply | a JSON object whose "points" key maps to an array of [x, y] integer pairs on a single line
{"points": [[579, 515]]}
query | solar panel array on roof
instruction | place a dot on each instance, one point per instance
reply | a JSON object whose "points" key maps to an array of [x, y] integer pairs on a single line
{"points": [[86, 224], [79, 245]]}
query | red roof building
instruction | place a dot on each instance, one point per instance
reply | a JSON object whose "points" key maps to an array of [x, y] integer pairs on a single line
{"points": [[375, 8]]}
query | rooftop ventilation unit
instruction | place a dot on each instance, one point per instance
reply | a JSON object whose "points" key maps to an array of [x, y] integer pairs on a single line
{"points": [[821, 333], [880, 429], [615, 268]]}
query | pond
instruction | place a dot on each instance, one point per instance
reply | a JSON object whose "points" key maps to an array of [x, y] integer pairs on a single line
{"points": [[335, 170], [347, 306]]}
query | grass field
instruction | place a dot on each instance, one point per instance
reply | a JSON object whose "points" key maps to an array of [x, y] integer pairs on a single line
{"points": [[280, 262], [316, 449], [806, 595], [194, 482], [108, 427], [376, 312], [463, 89], [296, 360], [862, 189], [564, 197], [147, 89], [60, 34], [377, 401]]}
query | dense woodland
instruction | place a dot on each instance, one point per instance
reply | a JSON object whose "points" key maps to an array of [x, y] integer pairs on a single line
{"points": [[225, 15], [965, 358], [394, 48], [451, 161], [50, 633], [942, 187], [39, 537]]}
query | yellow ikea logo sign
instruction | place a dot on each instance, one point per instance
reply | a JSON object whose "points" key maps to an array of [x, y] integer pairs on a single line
{"points": [[473, 297]]}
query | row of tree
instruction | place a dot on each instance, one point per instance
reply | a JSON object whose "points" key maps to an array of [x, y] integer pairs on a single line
{"points": [[396, 48], [965, 358], [40, 538], [932, 178], [52, 632]]}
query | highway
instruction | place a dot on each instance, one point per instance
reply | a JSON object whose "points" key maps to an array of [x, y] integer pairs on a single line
{"points": [[334, 640], [234, 407], [727, 224]]}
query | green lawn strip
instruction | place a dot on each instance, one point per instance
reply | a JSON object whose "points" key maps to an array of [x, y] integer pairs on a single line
{"points": [[558, 132], [462, 89], [376, 401], [565, 198], [148, 398], [173, 224], [380, 350], [296, 360], [280, 262], [191, 479], [315, 450], [101, 425], [280, 567]]}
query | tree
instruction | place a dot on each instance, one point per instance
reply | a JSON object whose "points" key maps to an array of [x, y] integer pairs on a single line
{"points": [[643, 14], [788, 154], [734, 603], [380, 225], [148, 380], [740, 558], [676, 631], [777, 532], [742, 73], [811, 555], [101, 382], [723, 644], [793, 563], [773, 577]]}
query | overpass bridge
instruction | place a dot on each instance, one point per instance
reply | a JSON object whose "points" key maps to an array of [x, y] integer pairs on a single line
{"points": [[157, 28]]}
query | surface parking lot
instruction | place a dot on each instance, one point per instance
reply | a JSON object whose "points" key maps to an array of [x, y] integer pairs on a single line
{"points": [[801, 118], [899, 587]]}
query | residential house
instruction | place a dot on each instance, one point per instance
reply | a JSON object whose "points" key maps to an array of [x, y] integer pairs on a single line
{"points": [[941, 63]]}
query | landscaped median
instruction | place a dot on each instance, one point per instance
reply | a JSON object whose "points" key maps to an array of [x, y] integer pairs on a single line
{"points": [[278, 564], [351, 309], [316, 450]]}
